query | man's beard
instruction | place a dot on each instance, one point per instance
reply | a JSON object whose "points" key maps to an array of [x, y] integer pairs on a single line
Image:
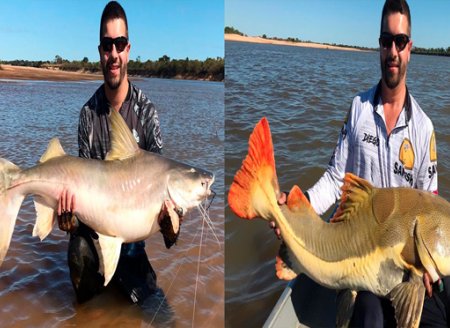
{"points": [[392, 80], [114, 82]]}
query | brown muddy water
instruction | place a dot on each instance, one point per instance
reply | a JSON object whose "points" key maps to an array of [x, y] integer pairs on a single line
{"points": [[35, 288], [305, 94]]}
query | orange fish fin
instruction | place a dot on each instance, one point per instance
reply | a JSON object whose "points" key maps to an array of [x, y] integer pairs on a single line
{"points": [[355, 192], [283, 271], [257, 169], [297, 199]]}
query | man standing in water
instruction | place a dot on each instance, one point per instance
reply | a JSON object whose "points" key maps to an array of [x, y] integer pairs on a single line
{"points": [[388, 140], [134, 274]]}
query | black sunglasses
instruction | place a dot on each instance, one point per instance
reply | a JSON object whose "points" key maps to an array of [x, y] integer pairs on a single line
{"points": [[121, 42], [401, 40]]}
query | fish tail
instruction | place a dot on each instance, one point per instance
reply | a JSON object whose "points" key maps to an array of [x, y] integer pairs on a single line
{"points": [[254, 191], [10, 202]]}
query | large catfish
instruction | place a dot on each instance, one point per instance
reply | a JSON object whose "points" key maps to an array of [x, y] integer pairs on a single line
{"points": [[120, 198], [383, 239]]}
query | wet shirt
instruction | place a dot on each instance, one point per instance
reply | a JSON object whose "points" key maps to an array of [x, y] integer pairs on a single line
{"points": [[138, 112], [405, 158]]}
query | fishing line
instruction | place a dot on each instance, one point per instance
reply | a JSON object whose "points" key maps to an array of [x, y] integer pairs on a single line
{"points": [[173, 280], [208, 220], [205, 218], [198, 272]]}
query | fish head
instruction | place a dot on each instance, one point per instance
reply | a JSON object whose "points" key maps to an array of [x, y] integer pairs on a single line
{"points": [[189, 186]]}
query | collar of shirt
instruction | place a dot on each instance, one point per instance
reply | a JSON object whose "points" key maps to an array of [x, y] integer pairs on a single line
{"points": [[405, 114]]}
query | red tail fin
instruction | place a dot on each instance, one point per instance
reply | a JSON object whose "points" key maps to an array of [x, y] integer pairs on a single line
{"points": [[257, 168]]}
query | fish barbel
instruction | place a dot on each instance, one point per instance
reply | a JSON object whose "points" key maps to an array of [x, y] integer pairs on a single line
{"points": [[382, 241], [120, 198]]}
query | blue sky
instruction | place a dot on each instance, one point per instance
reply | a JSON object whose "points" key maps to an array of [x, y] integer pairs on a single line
{"points": [[351, 22], [40, 30]]}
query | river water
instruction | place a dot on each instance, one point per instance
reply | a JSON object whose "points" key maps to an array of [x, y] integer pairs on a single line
{"points": [[305, 94], [35, 288]]}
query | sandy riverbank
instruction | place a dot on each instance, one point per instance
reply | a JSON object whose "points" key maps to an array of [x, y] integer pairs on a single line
{"points": [[32, 73], [257, 39]]}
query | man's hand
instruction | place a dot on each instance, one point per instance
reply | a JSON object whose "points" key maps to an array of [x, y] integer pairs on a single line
{"points": [[67, 221], [429, 284], [281, 201]]}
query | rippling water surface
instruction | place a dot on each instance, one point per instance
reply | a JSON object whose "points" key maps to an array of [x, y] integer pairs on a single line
{"points": [[35, 288], [305, 93]]}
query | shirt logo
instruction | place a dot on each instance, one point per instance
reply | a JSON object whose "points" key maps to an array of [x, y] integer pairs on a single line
{"points": [[433, 153], [371, 139], [406, 154]]}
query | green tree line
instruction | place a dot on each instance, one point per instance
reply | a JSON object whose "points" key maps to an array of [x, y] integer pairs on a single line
{"points": [[232, 30], [165, 67]]}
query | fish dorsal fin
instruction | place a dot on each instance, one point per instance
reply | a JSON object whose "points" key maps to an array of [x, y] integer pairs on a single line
{"points": [[123, 144], [54, 149], [355, 192]]}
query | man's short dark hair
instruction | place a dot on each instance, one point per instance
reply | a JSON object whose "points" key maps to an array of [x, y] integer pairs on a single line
{"points": [[396, 6], [113, 10]]}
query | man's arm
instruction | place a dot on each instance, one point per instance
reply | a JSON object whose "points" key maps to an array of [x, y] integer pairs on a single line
{"points": [[328, 189], [84, 125], [427, 178], [152, 130]]}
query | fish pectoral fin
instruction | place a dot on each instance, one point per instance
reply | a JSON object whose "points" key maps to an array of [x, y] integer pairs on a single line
{"points": [[108, 249], [345, 305], [283, 264], [45, 217], [421, 235], [407, 299]]}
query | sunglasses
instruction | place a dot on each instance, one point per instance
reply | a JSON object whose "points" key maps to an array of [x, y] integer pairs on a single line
{"points": [[401, 40], [121, 42]]}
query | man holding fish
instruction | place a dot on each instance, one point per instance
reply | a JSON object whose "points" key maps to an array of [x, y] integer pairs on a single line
{"points": [[388, 140], [134, 274]]}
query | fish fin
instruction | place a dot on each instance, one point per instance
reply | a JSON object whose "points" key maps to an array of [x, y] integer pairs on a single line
{"points": [[283, 271], [355, 192], [108, 249], [10, 203], [407, 299], [344, 307], [283, 265], [255, 185], [297, 199], [45, 217], [422, 249], [54, 149], [123, 144]]}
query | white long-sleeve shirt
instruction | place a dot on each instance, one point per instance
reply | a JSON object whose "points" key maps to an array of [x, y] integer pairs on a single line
{"points": [[405, 158]]}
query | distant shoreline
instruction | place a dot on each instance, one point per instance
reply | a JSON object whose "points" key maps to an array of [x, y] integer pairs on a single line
{"points": [[257, 39], [33, 73], [13, 72]]}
